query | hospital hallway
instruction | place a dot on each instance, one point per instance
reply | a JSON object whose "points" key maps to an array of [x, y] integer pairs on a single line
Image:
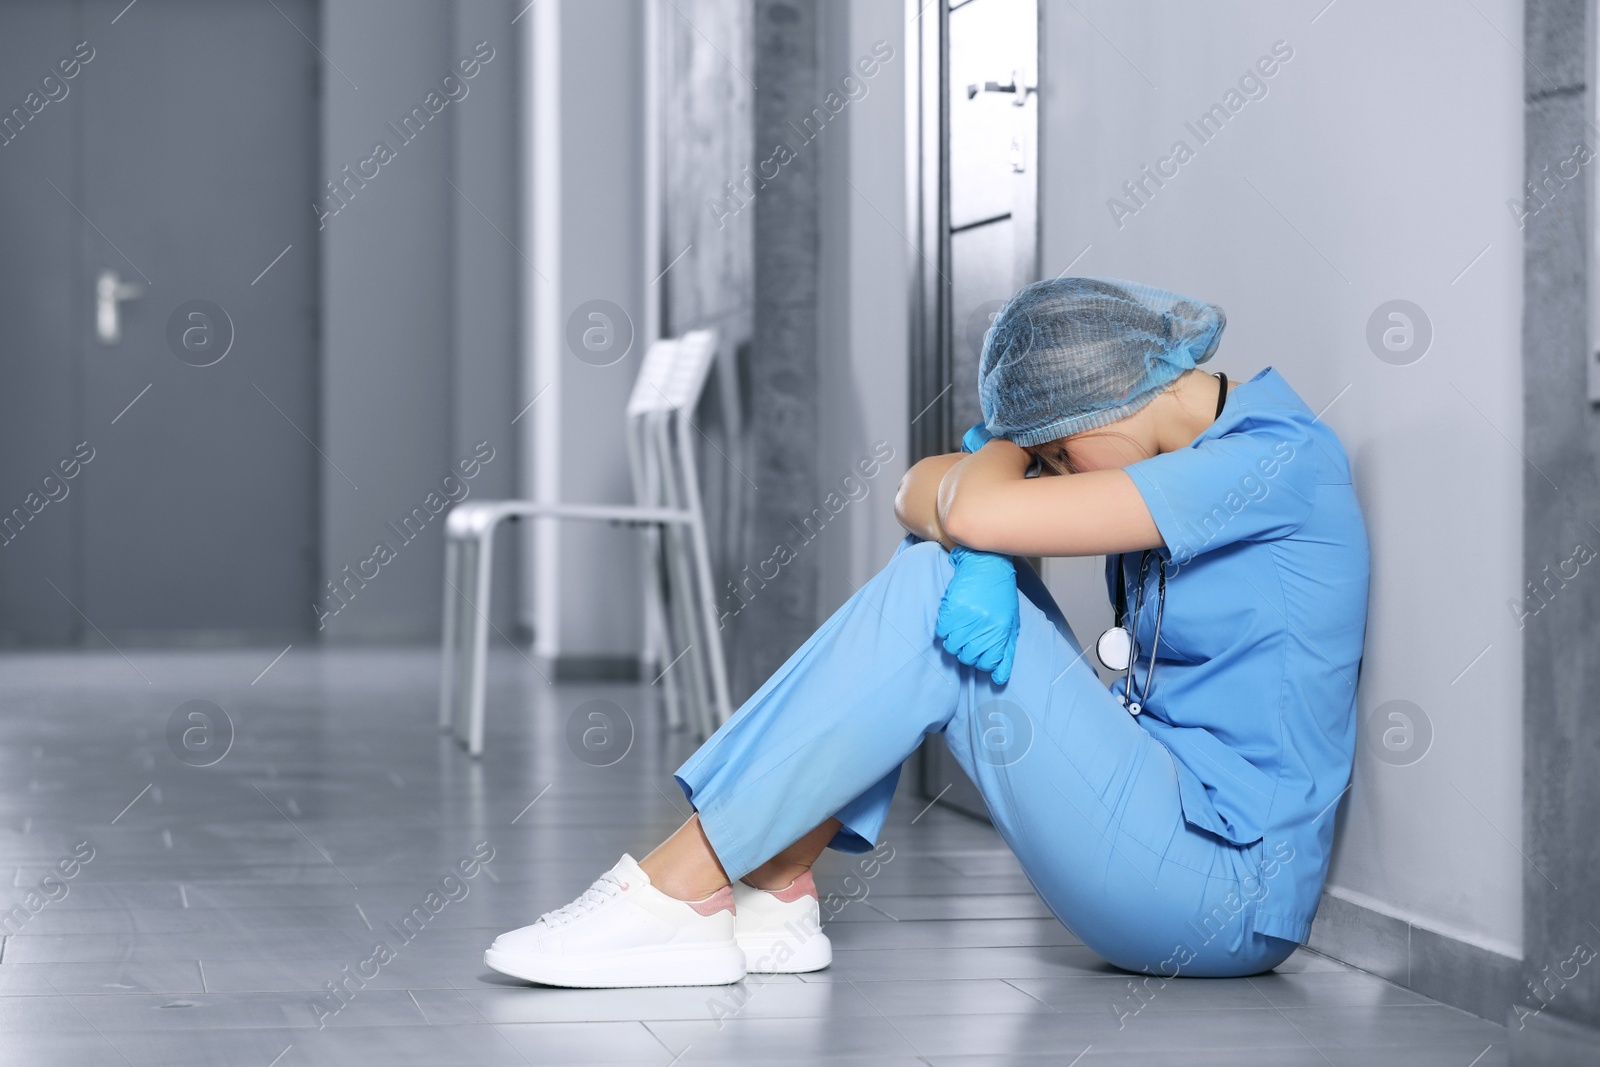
{"points": [[221, 900], [426, 424]]}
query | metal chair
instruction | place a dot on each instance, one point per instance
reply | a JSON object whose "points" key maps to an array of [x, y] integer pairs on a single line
{"points": [[680, 610]]}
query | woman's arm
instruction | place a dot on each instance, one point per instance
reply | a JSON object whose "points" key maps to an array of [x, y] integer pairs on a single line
{"points": [[984, 502], [916, 502]]}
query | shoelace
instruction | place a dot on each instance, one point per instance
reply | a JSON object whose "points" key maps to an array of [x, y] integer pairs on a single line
{"points": [[605, 888]]}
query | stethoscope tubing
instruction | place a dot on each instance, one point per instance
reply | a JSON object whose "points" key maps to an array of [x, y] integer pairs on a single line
{"points": [[1135, 706]]}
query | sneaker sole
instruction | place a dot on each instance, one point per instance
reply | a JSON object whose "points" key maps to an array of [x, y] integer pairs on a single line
{"points": [[663, 966], [762, 953]]}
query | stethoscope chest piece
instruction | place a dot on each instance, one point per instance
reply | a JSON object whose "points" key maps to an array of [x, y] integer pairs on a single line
{"points": [[1115, 649]]}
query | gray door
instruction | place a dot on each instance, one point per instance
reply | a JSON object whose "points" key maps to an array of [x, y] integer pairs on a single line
{"points": [[977, 116], [978, 124], [157, 389], [992, 179]]}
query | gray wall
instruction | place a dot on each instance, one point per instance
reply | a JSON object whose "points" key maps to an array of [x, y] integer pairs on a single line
{"points": [[865, 283], [34, 302], [487, 268], [416, 322], [1301, 218], [583, 227]]}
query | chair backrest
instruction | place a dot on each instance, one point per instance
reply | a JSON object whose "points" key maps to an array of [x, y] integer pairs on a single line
{"points": [[673, 373]]}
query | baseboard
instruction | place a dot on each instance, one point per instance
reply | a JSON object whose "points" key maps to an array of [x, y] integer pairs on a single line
{"points": [[193, 639], [572, 668], [1548, 1040], [1448, 969]]}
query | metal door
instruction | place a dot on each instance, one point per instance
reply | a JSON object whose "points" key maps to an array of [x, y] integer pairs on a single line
{"points": [[159, 301], [977, 117], [978, 197]]}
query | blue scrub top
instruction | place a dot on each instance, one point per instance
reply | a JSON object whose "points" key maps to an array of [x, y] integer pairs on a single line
{"points": [[1254, 689]]}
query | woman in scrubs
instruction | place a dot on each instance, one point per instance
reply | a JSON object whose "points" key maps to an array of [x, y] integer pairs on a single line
{"points": [[1179, 823]]}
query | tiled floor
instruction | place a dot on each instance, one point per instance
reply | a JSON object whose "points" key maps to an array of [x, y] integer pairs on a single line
{"points": [[221, 901]]}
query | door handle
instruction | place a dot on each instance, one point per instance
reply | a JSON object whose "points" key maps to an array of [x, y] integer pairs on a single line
{"points": [[109, 293], [1009, 87]]}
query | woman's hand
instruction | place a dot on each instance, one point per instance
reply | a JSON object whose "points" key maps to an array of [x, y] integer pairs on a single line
{"points": [[978, 618]]}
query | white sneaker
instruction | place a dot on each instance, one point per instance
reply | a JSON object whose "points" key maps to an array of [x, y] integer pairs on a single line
{"points": [[623, 931], [780, 930]]}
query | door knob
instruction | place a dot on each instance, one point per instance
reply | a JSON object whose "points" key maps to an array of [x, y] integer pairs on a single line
{"points": [[109, 293], [1011, 86]]}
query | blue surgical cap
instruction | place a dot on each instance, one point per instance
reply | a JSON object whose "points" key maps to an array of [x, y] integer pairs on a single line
{"points": [[1071, 354]]}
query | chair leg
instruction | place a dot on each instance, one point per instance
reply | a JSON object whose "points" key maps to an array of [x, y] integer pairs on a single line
{"points": [[691, 663], [480, 642], [645, 465], [650, 655], [466, 620], [447, 639], [650, 647], [663, 645], [682, 589], [716, 665]]}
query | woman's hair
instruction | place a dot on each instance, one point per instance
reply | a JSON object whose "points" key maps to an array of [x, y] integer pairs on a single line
{"points": [[1062, 466], [1065, 464], [1072, 354]]}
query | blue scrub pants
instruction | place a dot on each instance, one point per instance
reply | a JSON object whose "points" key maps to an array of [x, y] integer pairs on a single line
{"points": [[1085, 797]]}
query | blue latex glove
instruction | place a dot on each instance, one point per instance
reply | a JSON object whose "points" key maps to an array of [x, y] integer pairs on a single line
{"points": [[978, 617], [975, 438]]}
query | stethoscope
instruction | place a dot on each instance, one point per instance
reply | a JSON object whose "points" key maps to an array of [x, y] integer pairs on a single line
{"points": [[1117, 648]]}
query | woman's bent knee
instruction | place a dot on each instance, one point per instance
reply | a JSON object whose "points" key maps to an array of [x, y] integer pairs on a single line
{"points": [[927, 557], [911, 550]]}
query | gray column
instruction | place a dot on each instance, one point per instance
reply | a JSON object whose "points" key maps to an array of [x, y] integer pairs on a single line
{"points": [[783, 365], [1555, 1016], [705, 97]]}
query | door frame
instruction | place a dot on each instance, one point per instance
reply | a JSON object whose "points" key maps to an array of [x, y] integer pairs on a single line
{"points": [[928, 200], [932, 331]]}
